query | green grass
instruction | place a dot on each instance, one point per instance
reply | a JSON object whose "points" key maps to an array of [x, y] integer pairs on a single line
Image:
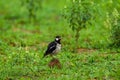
{"points": [[22, 45], [29, 65]]}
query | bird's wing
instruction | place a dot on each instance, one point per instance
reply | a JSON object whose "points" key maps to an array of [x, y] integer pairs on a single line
{"points": [[51, 48]]}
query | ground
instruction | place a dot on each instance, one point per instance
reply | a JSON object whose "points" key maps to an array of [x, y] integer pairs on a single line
{"points": [[22, 45]]}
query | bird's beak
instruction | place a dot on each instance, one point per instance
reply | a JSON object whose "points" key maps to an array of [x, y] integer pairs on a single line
{"points": [[60, 38]]}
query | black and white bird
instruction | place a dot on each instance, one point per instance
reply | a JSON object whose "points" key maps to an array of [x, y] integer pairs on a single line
{"points": [[54, 47]]}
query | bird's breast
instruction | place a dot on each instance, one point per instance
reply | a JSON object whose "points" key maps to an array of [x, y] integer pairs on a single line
{"points": [[58, 48]]}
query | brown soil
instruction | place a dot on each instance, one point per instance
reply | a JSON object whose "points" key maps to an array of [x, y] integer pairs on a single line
{"points": [[25, 30], [54, 63], [85, 50]]}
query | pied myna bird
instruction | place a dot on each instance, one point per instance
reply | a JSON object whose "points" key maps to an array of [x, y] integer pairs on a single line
{"points": [[54, 47]]}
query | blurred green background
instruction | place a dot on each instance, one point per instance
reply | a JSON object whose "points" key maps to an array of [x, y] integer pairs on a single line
{"points": [[27, 26]]}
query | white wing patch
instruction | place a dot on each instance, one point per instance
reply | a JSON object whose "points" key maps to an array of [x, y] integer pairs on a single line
{"points": [[52, 47]]}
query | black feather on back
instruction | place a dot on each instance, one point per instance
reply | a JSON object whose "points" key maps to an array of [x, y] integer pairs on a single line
{"points": [[51, 48]]}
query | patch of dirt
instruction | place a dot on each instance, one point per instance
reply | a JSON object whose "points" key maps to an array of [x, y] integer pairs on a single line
{"points": [[35, 47], [43, 44], [103, 55], [27, 48], [84, 50], [25, 30], [54, 63]]}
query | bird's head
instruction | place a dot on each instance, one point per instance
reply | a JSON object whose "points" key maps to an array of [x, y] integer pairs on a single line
{"points": [[58, 39]]}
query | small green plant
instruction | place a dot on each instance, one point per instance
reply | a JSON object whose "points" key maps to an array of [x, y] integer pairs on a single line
{"points": [[78, 16], [116, 34], [115, 25], [32, 6]]}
